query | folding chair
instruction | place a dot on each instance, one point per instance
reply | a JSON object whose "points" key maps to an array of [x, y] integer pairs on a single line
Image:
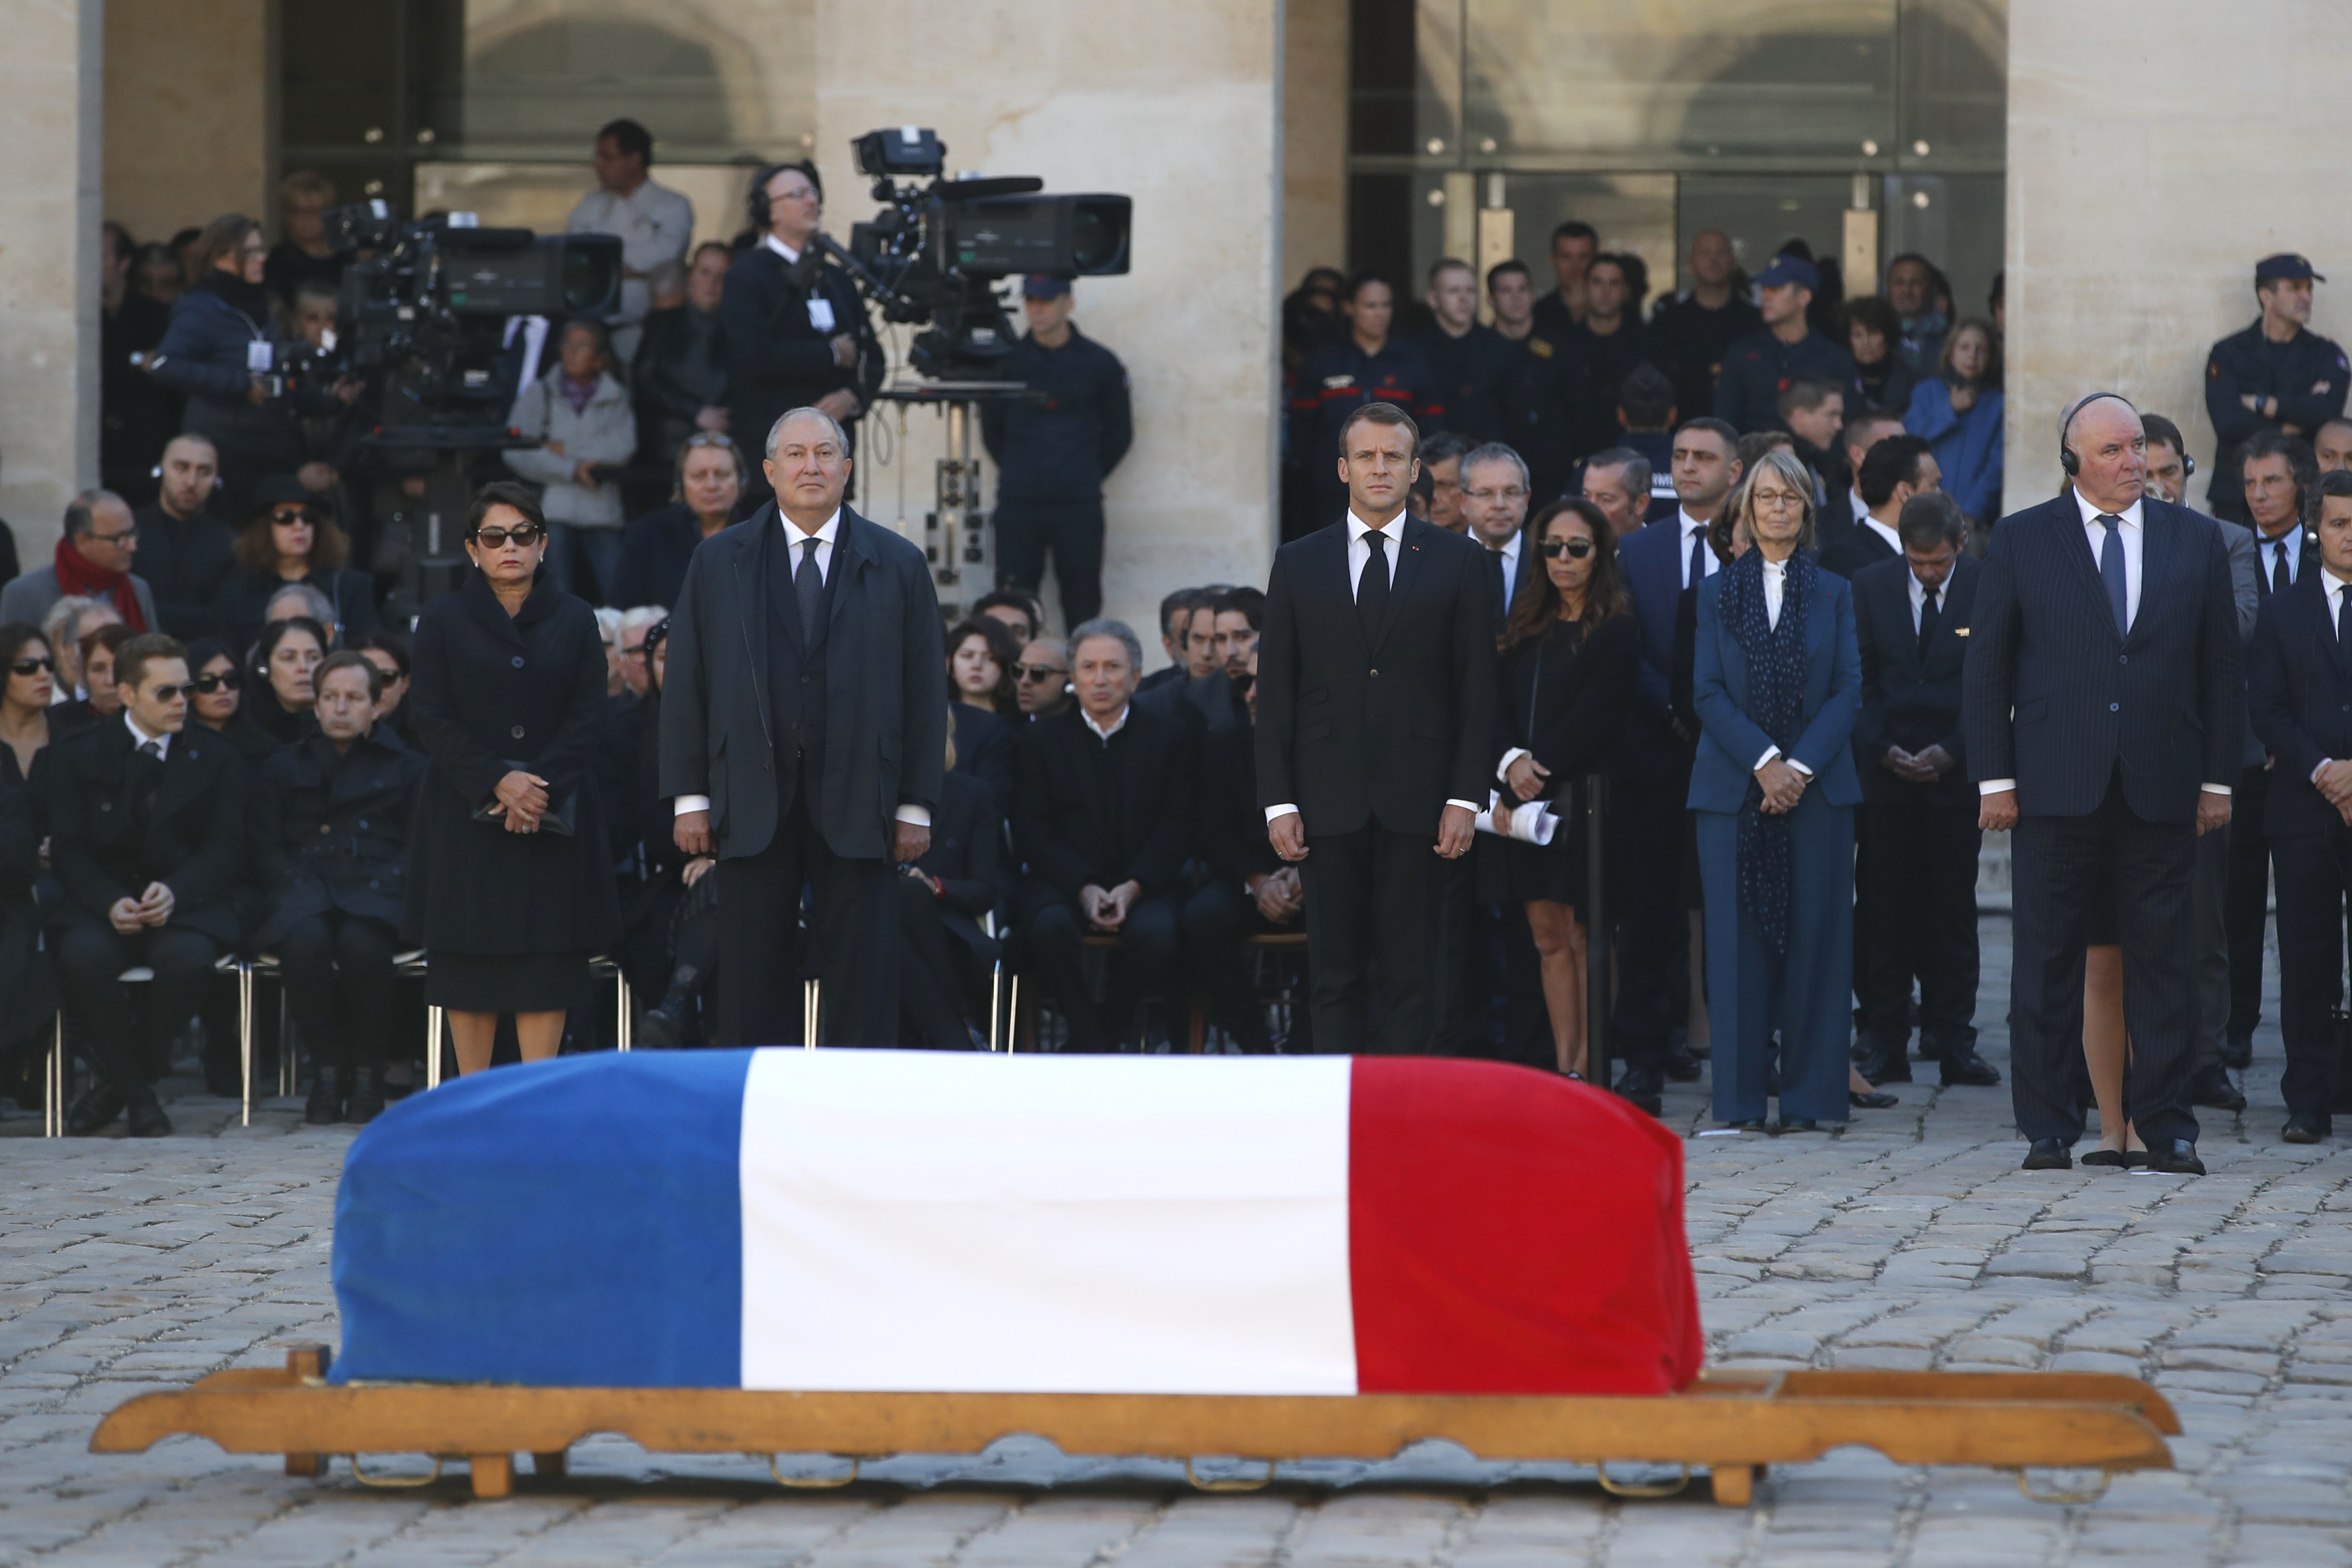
{"points": [[56, 1076]]}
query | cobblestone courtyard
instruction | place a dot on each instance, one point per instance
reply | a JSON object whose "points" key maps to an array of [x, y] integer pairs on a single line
{"points": [[1910, 1241]]}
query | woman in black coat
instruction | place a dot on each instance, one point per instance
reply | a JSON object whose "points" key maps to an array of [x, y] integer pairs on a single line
{"points": [[509, 888], [28, 990], [290, 538], [328, 825], [1569, 653], [959, 881]]}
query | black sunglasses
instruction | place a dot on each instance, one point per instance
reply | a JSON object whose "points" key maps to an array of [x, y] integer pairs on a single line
{"points": [[525, 535], [1038, 672], [32, 666], [1574, 549], [209, 684]]}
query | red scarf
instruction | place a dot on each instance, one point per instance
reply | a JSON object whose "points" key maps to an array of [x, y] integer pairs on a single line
{"points": [[78, 574]]}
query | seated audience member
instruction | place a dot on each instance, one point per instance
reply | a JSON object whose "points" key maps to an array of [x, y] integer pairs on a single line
{"points": [[679, 380], [92, 561], [68, 621], [26, 984], [669, 906], [581, 418], [186, 553], [330, 827], [985, 702], [655, 548], [1874, 332], [1042, 678], [388, 651], [629, 647], [1249, 892], [146, 823], [289, 542], [1175, 639], [284, 668], [1916, 873], [1018, 608], [300, 599], [608, 631], [27, 673], [99, 646], [1103, 817], [959, 881], [1234, 615], [1570, 651], [217, 701]]}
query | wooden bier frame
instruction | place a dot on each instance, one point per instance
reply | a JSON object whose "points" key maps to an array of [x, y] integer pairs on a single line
{"points": [[1730, 1423]]}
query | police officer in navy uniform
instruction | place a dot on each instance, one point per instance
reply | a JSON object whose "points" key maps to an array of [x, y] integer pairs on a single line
{"points": [[1363, 365], [2277, 375], [1054, 452], [797, 336], [1759, 367]]}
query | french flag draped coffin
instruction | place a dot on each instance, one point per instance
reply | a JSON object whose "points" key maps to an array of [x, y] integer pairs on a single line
{"points": [[900, 1221]]}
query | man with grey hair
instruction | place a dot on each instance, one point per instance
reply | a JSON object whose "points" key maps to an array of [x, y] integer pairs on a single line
{"points": [[1103, 810], [635, 623], [1494, 505], [101, 540], [804, 739], [1617, 480]]}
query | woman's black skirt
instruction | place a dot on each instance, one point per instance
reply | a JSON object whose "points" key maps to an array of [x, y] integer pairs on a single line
{"points": [[507, 981]]}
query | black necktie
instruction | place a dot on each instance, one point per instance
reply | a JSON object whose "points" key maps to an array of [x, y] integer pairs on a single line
{"points": [[2340, 597], [1372, 587], [152, 750], [1697, 559], [1926, 622], [2279, 581], [808, 587]]}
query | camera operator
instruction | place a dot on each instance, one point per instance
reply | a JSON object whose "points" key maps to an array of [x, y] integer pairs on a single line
{"points": [[797, 334], [223, 349]]}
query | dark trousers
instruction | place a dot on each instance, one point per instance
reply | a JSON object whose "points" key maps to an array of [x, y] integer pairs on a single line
{"points": [[2249, 901], [1214, 921], [854, 921], [1917, 880], [338, 986], [90, 959], [1370, 898], [2209, 900], [1651, 828], [2313, 874], [1073, 532], [2055, 861], [1147, 960], [934, 1006], [1462, 964]]}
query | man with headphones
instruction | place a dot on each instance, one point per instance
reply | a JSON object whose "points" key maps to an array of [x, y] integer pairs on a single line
{"points": [[797, 335], [2104, 704]]}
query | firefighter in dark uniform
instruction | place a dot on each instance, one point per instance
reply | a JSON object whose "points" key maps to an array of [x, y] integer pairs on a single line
{"points": [[1543, 386], [1759, 367], [1471, 361], [2277, 375], [797, 336], [1363, 365], [1054, 452]]}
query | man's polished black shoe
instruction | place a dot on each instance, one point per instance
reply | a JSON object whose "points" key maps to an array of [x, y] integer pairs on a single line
{"points": [[1681, 1066], [2304, 1129], [1883, 1063], [2211, 1087], [2238, 1055], [1860, 1101], [147, 1118], [2048, 1154], [95, 1112], [1961, 1065], [2175, 1157], [1640, 1088]]}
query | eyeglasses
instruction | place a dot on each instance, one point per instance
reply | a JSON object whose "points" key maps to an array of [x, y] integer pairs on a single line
{"points": [[525, 535], [1037, 672], [1574, 549], [127, 536], [1509, 492], [33, 666], [294, 514], [205, 685]]}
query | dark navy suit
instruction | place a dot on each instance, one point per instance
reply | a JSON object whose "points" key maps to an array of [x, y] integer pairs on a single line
{"points": [[2110, 737], [2299, 686], [1749, 995]]}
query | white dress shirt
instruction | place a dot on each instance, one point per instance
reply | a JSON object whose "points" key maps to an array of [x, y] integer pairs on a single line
{"points": [[2288, 547], [1919, 597], [2133, 531], [1359, 553], [140, 737], [908, 812], [1894, 540], [1103, 732], [1687, 528], [2331, 588], [792, 257], [654, 224], [1775, 588], [1511, 554]]}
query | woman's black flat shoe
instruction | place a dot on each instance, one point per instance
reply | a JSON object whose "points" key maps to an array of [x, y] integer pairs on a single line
{"points": [[1873, 1101]]}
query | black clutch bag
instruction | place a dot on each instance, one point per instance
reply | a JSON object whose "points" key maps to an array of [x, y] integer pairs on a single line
{"points": [[562, 816]]}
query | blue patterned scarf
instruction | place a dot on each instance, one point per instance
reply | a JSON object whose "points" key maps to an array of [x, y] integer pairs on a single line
{"points": [[1775, 702]]}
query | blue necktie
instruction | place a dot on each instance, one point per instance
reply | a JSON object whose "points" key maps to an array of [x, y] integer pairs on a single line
{"points": [[2111, 571], [1697, 559]]}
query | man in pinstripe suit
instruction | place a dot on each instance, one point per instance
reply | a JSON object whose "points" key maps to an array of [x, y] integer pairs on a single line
{"points": [[2104, 702]]}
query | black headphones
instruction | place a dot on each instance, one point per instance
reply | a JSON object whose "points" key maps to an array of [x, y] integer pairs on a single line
{"points": [[757, 206], [2066, 458]]}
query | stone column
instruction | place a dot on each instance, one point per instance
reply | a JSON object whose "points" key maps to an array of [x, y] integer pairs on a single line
{"points": [[1179, 108], [49, 107], [2155, 152]]}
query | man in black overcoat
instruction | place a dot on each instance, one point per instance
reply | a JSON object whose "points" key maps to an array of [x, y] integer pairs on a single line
{"points": [[1375, 708], [146, 824], [803, 736]]}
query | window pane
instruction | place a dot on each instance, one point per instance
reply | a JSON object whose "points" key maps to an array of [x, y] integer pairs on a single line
{"points": [[1955, 84], [1404, 78], [1761, 214]]}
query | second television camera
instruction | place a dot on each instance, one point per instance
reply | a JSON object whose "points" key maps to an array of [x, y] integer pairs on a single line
{"points": [[934, 255]]}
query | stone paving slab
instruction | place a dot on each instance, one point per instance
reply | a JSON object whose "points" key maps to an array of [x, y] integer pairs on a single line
{"points": [[1909, 1241]]}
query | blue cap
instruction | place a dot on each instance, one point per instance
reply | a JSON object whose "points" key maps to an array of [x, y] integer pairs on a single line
{"points": [[1044, 285], [1788, 270], [2285, 264]]}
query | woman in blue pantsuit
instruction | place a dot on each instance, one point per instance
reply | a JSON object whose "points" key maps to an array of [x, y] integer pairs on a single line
{"points": [[1777, 680]]}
